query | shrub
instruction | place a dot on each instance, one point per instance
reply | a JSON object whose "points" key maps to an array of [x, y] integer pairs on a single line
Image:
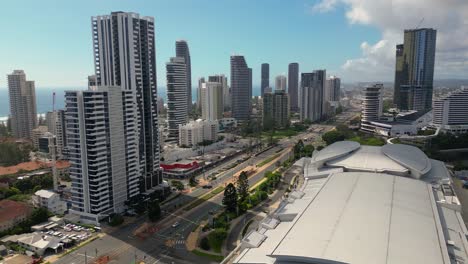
{"points": [[216, 239], [204, 243]]}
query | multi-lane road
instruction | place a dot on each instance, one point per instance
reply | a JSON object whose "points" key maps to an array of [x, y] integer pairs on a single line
{"points": [[167, 244]]}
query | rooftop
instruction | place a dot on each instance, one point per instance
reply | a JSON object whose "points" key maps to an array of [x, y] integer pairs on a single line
{"points": [[10, 210], [362, 204]]}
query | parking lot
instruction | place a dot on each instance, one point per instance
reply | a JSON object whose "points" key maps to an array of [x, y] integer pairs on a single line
{"points": [[71, 232]]}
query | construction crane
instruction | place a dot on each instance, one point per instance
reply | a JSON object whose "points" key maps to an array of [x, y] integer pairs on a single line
{"points": [[420, 22], [52, 148]]}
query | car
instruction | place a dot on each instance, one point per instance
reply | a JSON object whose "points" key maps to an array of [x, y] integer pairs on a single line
{"points": [[176, 224], [207, 187]]}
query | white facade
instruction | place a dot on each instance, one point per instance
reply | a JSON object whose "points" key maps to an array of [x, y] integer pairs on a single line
{"points": [[451, 113], [49, 200], [36, 134], [281, 82], [198, 131], [212, 100], [367, 205], [372, 106], [102, 140], [125, 56]]}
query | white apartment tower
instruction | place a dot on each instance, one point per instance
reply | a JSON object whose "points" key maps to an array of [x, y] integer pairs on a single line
{"points": [[125, 56], [212, 98], [102, 141], [451, 112], [198, 131], [371, 106], [22, 104], [176, 74]]}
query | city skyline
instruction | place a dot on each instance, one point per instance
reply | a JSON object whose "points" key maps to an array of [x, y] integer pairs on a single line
{"points": [[368, 42]]}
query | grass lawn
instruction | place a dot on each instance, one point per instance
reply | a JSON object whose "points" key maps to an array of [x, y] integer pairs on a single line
{"points": [[371, 141], [267, 160], [214, 257]]}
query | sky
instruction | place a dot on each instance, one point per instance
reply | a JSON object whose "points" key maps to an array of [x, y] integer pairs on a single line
{"points": [[354, 39]]}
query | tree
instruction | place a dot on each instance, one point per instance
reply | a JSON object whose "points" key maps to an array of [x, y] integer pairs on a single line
{"points": [[308, 150], [333, 136], [298, 149], [243, 186], [230, 198], [177, 184], [192, 181], [154, 211]]}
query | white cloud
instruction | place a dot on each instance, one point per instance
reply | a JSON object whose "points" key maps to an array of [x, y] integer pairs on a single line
{"points": [[391, 17], [324, 6]]}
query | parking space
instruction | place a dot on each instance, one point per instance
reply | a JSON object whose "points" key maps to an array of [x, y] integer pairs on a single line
{"points": [[71, 232]]}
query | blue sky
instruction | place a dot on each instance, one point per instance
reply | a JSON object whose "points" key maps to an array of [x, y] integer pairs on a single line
{"points": [[51, 39]]}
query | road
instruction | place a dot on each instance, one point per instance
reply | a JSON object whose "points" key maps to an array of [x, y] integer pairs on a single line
{"points": [[122, 246]]}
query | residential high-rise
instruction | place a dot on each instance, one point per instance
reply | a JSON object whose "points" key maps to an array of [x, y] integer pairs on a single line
{"points": [[280, 82], [176, 76], [311, 95], [102, 140], [293, 85], [414, 71], [92, 82], [371, 106], [451, 112], [221, 78], [182, 50], [125, 56], [276, 109], [332, 89], [212, 99], [22, 104], [200, 82], [265, 77], [241, 88]]}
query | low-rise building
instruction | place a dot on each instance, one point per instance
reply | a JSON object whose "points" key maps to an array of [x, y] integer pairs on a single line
{"points": [[50, 200], [12, 213], [36, 242], [36, 134], [197, 132]]}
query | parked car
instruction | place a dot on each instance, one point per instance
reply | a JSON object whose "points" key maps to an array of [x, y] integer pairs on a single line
{"points": [[176, 224], [207, 187]]}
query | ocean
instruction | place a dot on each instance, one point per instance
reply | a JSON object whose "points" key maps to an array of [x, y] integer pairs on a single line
{"points": [[44, 98]]}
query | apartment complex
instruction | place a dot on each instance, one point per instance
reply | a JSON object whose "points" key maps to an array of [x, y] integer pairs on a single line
{"points": [[241, 89], [276, 109], [293, 85], [372, 106], [414, 70], [265, 80], [198, 131], [23, 110], [451, 112], [212, 100], [281, 82], [133, 67], [102, 140], [182, 50], [311, 95], [176, 76]]}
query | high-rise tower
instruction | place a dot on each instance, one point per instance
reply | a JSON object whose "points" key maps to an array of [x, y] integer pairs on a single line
{"points": [[265, 77], [414, 71], [176, 76], [241, 87], [125, 56], [22, 104], [182, 50], [293, 85]]}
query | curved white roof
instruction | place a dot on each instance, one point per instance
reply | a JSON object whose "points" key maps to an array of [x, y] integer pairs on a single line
{"points": [[336, 150], [408, 156]]}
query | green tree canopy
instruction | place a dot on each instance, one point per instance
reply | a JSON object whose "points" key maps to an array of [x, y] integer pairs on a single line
{"points": [[243, 186], [154, 211], [230, 198]]}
